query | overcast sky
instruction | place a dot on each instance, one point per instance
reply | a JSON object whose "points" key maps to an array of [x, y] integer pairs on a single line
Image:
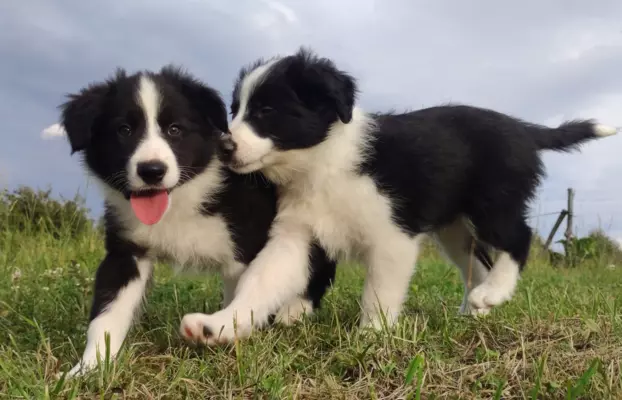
{"points": [[543, 61]]}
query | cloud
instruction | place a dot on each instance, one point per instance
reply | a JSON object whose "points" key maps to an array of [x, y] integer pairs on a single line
{"points": [[285, 11], [277, 10], [53, 131]]}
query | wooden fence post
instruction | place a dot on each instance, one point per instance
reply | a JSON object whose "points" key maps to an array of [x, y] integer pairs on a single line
{"points": [[561, 217], [570, 220]]}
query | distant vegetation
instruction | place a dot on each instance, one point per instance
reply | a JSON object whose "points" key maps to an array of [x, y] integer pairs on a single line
{"points": [[595, 248], [38, 212]]}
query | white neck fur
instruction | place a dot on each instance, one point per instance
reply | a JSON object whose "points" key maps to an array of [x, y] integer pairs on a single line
{"points": [[343, 150]]}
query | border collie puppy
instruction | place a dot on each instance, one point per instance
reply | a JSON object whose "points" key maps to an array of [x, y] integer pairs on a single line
{"points": [[371, 186], [151, 140]]}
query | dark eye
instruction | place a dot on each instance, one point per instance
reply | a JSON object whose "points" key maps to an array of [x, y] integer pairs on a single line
{"points": [[263, 111], [174, 130], [124, 131]]}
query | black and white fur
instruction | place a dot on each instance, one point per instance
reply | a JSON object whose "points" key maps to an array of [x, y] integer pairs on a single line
{"points": [[371, 186], [216, 220]]}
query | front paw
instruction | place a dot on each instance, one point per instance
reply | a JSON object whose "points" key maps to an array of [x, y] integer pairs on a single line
{"points": [[467, 309], [80, 369], [377, 321], [214, 329], [487, 295], [294, 311]]}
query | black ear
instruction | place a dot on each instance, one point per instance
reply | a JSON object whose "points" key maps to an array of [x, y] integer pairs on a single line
{"points": [[80, 112], [323, 83], [206, 100]]}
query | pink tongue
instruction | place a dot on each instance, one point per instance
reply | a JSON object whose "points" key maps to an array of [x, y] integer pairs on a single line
{"points": [[150, 209]]}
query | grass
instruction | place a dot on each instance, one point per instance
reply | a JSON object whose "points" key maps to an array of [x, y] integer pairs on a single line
{"points": [[559, 338]]}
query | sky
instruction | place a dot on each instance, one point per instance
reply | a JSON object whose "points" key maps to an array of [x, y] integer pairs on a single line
{"points": [[541, 61]]}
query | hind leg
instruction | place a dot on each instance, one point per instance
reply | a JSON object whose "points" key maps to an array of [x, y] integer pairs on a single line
{"points": [[390, 265], [513, 241], [458, 244], [321, 279]]}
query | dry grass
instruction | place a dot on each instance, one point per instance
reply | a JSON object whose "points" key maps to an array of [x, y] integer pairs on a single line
{"points": [[561, 337]]}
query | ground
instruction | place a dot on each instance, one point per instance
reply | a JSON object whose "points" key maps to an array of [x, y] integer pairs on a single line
{"points": [[560, 337]]}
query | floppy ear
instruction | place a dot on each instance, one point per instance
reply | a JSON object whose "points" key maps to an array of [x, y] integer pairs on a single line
{"points": [[206, 100], [324, 84], [80, 112]]}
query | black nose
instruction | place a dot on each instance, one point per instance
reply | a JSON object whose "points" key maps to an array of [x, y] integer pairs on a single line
{"points": [[151, 172], [227, 146]]}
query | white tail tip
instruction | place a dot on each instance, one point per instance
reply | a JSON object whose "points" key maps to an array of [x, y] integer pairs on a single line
{"points": [[604, 130], [53, 131]]}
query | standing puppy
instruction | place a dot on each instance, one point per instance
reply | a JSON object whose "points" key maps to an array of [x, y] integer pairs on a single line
{"points": [[371, 186], [150, 140]]}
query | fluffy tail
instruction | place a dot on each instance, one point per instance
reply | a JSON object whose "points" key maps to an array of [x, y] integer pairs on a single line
{"points": [[570, 135]]}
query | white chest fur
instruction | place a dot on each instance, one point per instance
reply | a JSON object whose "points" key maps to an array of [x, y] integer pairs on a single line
{"points": [[192, 240], [345, 210], [183, 235], [346, 213]]}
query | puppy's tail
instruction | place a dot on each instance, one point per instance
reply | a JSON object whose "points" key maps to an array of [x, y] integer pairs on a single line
{"points": [[570, 135]]}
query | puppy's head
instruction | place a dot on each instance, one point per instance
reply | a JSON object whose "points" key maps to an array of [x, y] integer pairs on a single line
{"points": [[285, 104], [145, 134]]}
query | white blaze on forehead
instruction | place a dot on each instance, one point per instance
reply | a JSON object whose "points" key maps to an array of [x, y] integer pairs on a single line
{"points": [[149, 100], [153, 146], [250, 147], [249, 83]]}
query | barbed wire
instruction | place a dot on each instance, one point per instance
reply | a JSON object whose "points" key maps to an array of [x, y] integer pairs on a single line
{"points": [[545, 214], [575, 214]]}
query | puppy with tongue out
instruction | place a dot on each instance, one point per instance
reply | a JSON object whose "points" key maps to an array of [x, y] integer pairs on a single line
{"points": [[152, 169], [149, 206], [145, 136]]}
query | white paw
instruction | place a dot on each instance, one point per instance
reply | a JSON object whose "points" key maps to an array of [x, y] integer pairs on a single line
{"points": [[214, 329], [377, 321], [77, 370], [80, 369], [466, 309], [294, 311], [488, 295], [371, 323]]}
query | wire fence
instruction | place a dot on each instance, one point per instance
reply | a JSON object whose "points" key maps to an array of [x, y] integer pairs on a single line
{"points": [[578, 224]]}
